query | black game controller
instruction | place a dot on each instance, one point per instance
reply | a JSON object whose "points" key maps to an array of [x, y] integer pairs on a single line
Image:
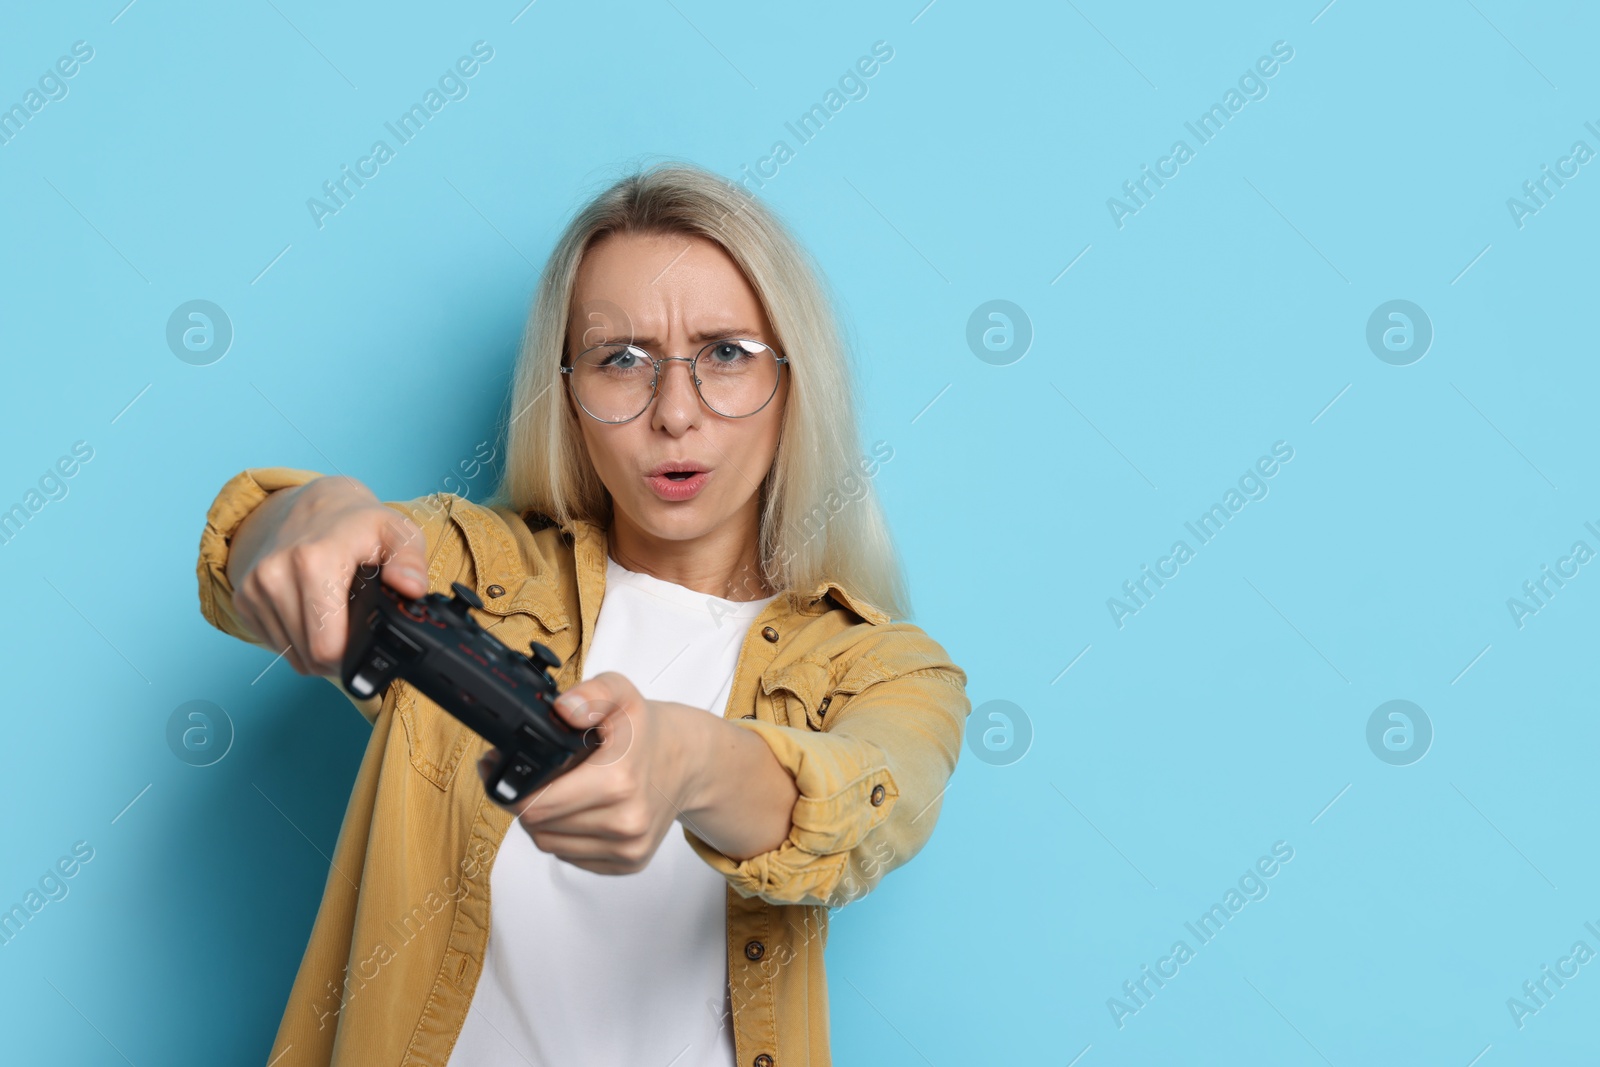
{"points": [[503, 695]]}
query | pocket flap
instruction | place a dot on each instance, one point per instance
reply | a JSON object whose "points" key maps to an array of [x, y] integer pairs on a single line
{"points": [[802, 683]]}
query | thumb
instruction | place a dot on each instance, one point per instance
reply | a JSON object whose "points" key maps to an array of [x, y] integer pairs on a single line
{"points": [[601, 706], [589, 703]]}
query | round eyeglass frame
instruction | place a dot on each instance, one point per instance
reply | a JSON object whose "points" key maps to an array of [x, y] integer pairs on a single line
{"points": [[655, 381]]}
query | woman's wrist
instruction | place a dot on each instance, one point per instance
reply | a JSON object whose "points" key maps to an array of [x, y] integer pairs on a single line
{"points": [[732, 791], [692, 735]]}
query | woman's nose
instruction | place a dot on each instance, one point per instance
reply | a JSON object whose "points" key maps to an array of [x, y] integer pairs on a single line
{"points": [[677, 384]]}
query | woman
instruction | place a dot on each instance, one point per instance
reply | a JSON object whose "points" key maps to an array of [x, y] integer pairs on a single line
{"points": [[685, 520]]}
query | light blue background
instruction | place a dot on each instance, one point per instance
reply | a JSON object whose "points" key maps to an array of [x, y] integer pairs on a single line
{"points": [[1226, 315]]}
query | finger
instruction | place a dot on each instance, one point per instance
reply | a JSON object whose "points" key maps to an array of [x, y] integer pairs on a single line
{"points": [[289, 607], [271, 628], [539, 805], [249, 619], [399, 555], [608, 867], [583, 847], [561, 798], [324, 608], [256, 593], [601, 823]]}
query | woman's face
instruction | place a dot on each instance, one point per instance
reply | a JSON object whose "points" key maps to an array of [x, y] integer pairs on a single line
{"points": [[671, 294]]}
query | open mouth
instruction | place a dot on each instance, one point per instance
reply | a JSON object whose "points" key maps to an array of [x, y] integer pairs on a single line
{"points": [[677, 480]]}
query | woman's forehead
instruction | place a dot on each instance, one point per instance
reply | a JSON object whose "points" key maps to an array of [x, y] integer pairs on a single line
{"points": [[645, 287]]}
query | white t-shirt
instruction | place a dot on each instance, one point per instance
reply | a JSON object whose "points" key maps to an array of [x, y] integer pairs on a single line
{"points": [[596, 969]]}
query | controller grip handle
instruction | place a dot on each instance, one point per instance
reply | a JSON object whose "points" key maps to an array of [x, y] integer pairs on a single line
{"points": [[370, 674], [513, 775], [509, 779]]}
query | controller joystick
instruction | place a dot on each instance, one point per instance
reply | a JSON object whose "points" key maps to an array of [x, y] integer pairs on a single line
{"points": [[464, 598], [543, 656]]}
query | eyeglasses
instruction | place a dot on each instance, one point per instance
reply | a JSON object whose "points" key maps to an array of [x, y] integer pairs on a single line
{"points": [[615, 383]]}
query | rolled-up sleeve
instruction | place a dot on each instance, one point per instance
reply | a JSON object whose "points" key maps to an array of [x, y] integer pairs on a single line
{"points": [[870, 786], [241, 495]]}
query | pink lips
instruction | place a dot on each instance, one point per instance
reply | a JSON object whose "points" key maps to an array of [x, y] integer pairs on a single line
{"points": [[679, 488]]}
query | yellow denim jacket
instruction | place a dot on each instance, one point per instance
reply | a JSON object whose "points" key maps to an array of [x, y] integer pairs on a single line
{"points": [[865, 713]]}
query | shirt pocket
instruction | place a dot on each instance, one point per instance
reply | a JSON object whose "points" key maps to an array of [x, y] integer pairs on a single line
{"points": [[793, 694], [436, 740], [806, 693]]}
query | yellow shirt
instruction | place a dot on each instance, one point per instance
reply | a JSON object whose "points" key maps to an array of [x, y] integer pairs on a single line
{"points": [[865, 713]]}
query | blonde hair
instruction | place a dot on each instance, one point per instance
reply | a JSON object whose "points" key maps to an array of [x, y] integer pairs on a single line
{"points": [[820, 518]]}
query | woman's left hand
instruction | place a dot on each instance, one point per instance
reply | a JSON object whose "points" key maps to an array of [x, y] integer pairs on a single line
{"points": [[610, 813]]}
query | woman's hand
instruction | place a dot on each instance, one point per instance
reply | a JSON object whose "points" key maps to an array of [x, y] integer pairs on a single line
{"points": [[293, 559], [658, 762]]}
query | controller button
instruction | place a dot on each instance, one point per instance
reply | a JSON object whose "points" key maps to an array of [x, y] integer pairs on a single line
{"points": [[754, 950], [496, 591], [769, 633]]}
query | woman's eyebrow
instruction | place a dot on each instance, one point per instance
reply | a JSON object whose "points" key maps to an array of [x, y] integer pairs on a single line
{"points": [[702, 336]]}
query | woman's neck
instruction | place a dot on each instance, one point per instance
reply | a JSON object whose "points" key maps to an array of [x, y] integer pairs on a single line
{"points": [[723, 563]]}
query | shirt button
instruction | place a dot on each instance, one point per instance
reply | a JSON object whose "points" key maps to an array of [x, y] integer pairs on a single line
{"points": [[496, 590], [749, 716], [877, 795], [769, 633], [754, 950], [762, 1060], [822, 708]]}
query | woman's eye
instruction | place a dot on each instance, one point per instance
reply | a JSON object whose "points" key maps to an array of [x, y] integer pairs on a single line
{"points": [[727, 352]]}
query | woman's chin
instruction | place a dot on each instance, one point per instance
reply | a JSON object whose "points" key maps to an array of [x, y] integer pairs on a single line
{"points": [[682, 521]]}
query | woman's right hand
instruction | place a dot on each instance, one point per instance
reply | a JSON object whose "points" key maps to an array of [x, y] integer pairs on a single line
{"points": [[294, 557]]}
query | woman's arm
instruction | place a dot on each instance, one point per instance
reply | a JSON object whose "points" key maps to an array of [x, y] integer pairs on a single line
{"points": [[288, 563], [736, 797], [659, 762], [870, 782], [786, 813]]}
